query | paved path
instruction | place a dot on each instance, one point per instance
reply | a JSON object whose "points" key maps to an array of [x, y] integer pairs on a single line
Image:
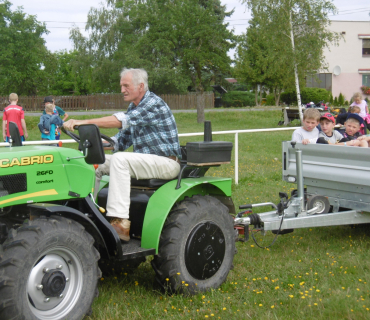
{"points": [[109, 112]]}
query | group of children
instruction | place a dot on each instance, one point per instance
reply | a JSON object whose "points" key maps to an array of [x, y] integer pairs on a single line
{"points": [[309, 133], [50, 121]]}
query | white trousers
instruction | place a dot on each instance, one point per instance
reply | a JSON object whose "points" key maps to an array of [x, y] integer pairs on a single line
{"points": [[121, 166]]}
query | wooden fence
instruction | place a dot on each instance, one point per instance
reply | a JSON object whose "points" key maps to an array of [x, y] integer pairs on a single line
{"points": [[112, 101]]}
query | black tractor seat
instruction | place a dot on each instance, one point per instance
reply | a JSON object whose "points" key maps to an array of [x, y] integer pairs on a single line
{"points": [[154, 183], [149, 183]]}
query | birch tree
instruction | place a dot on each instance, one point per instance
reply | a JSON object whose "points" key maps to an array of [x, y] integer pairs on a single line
{"points": [[298, 31]]}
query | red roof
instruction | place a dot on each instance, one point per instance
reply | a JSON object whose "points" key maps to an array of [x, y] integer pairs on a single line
{"points": [[231, 80]]}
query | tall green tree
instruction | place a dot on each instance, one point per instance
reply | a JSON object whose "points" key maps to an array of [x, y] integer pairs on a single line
{"points": [[178, 42], [297, 32], [203, 43], [22, 51], [65, 76]]}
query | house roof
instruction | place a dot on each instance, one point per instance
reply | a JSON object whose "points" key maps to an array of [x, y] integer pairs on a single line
{"points": [[231, 80]]}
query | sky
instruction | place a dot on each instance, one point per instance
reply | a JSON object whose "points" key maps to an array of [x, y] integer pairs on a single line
{"points": [[61, 16]]}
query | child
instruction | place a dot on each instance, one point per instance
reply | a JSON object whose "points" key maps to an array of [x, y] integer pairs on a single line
{"points": [[48, 123], [57, 111], [327, 123], [357, 101], [341, 118], [14, 113], [353, 126], [308, 133]]}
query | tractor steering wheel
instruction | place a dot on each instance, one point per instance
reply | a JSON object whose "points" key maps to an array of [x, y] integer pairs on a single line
{"points": [[109, 144]]}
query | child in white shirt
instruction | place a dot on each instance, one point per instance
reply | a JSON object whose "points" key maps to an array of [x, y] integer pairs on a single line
{"points": [[308, 133]]}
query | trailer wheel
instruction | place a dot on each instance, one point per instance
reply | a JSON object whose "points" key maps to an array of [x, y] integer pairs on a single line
{"points": [[197, 246], [318, 201], [48, 271]]}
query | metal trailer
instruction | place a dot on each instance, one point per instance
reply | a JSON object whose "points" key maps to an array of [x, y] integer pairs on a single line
{"points": [[337, 192]]}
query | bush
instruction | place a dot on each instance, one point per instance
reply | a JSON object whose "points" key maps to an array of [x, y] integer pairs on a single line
{"points": [[335, 102], [289, 97], [241, 87], [331, 100], [307, 95], [340, 99], [270, 100], [238, 99]]}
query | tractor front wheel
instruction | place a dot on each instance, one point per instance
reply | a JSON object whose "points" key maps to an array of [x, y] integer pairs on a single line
{"points": [[197, 246], [48, 271]]}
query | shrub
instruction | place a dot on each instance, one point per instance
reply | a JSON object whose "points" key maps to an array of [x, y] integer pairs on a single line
{"points": [[307, 95], [331, 100], [238, 99], [289, 97], [241, 87], [340, 99], [335, 102], [270, 100]]}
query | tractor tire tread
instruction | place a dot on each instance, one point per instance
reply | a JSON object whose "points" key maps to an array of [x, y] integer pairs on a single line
{"points": [[14, 251], [166, 264]]}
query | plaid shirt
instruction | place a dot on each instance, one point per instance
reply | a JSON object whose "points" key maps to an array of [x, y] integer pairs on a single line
{"points": [[150, 127]]}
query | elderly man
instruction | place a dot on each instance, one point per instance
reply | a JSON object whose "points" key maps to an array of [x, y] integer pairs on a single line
{"points": [[150, 127]]}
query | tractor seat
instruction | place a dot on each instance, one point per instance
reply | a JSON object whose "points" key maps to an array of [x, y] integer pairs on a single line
{"points": [[149, 183]]}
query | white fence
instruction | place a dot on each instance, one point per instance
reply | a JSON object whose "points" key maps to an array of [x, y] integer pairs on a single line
{"points": [[235, 132]]}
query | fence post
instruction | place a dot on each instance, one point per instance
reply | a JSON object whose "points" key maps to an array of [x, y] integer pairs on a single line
{"points": [[236, 158]]}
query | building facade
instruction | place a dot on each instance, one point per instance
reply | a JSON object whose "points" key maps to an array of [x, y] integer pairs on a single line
{"points": [[348, 64]]}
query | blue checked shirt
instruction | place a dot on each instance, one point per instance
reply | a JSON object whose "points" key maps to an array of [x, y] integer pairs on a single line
{"points": [[150, 127]]}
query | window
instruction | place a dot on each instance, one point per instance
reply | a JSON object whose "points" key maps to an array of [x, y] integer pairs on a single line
{"points": [[366, 80], [320, 80], [366, 47]]}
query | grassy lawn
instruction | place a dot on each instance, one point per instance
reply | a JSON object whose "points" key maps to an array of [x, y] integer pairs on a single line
{"points": [[319, 273]]}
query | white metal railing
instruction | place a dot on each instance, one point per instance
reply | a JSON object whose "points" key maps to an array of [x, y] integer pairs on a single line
{"points": [[236, 147]]}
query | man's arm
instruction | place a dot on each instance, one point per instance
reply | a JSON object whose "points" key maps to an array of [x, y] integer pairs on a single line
{"points": [[104, 122], [23, 123]]}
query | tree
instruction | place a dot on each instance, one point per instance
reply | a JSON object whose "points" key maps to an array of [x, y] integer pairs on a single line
{"points": [[179, 42], [65, 76], [130, 34], [22, 52], [203, 43], [297, 30]]}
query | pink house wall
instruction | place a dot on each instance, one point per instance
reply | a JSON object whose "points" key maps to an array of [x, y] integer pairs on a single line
{"points": [[347, 84], [348, 56]]}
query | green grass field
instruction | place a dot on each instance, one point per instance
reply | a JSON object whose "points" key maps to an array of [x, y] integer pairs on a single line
{"points": [[318, 273]]}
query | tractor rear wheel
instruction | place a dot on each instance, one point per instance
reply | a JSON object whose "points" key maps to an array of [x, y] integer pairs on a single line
{"points": [[197, 246], [48, 271]]}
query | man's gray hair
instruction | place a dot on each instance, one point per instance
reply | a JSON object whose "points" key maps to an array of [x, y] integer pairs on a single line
{"points": [[138, 76]]}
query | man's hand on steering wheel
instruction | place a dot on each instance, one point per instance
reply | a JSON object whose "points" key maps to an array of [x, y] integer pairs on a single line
{"points": [[108, 142], [71, 124]]}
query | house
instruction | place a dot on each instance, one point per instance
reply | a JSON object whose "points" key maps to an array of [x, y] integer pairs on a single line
{"points": [[348, 63]]}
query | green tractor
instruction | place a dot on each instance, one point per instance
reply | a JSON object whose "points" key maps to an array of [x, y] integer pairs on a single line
{"points": [[54, 236]]}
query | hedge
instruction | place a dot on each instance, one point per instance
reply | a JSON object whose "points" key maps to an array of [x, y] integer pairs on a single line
{"points": [[307, 95], [238, 99]]}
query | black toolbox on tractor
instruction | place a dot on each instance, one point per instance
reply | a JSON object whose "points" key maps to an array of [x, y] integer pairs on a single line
{"points": [[208, 151]]}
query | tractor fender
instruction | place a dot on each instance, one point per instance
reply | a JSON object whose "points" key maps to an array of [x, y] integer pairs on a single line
{"points": [[48, 209], [162, 201]]}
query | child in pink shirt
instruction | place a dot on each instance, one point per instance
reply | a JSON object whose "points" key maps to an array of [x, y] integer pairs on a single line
{"points": [[359, 102]]}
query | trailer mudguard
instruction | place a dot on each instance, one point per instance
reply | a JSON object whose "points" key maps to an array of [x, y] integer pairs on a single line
{"points": [[162, 201]]}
